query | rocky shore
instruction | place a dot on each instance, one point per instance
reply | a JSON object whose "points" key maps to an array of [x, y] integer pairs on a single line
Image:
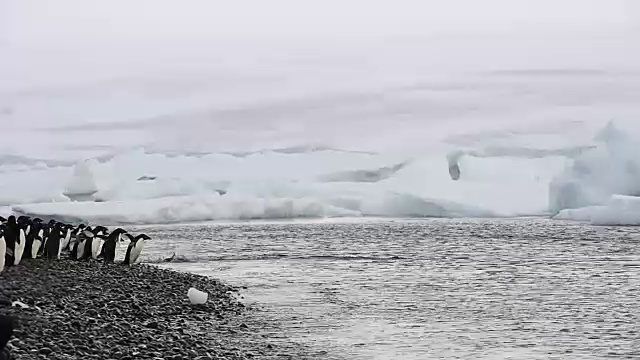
{"points": [[87, 310]]}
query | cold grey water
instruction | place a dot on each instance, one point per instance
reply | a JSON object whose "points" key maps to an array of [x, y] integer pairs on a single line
{"points": [[429, 289]]}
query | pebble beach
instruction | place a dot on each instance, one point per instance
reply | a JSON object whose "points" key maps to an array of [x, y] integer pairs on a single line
{"points": [[89, 310]]}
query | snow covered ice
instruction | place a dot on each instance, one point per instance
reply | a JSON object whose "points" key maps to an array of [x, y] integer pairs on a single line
{"points": [[510, 169], [312, 124]]}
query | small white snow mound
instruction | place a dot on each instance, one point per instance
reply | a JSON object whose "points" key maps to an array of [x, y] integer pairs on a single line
{"points": [[619, 210], [197, 297], [82, 181], [132, 189]]}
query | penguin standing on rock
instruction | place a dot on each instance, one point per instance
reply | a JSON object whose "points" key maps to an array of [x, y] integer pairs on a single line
{"points": [[34, 239], [135, 248], [75, 239], [64, 243], [85, 240], [111, 244], [94, 242], [21, 242], [11, 238], [52, 246], [97, 245]]}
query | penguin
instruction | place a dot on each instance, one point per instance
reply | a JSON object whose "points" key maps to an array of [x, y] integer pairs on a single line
{"points": [[100, 229], [3, 249], [3, 219], [111, 244], [19, 247], [48, 228], [83, 250], [64, 243], [36, 245], [32, 246], [78, 229], [40, 237], [135, 248], [10, 237], [75, 239], [52, 246], [96, 245], [22, 219]]}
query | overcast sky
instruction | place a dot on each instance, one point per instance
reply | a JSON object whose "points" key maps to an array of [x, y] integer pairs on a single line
{"points": [[40, 39]]}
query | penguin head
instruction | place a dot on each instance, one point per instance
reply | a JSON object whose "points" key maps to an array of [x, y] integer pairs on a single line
{"points": [[119, 231], [11, 220], [143, 237], [88, 233]]}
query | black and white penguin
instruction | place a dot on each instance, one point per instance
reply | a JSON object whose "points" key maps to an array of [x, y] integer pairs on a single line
{"points": [[100, 235], [111, 244], [75, 239], [85, 240], [21, 242], [10, 237], [23, 219], [16, 240], [66, 239], [52, 246], [100, 229], [135, 248], [3, 249], [34, 239], [39, 241], [48, 228]]}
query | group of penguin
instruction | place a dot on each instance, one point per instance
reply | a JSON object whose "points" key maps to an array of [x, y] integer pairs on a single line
{"points": [[31, 238]]}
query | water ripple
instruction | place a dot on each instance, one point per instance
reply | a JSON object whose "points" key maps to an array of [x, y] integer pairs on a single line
{"points": [[437, 289]]}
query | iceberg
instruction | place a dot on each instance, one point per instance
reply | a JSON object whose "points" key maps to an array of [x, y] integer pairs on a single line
{"points": [[319, 183], [619, 210], [600, 181], [82, 184], [529, 143]]}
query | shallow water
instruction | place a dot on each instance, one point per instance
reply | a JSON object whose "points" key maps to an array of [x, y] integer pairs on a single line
{"points": [[430, 289]]}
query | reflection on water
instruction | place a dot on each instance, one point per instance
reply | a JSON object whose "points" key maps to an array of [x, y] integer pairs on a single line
{"points": [[447, 289]]}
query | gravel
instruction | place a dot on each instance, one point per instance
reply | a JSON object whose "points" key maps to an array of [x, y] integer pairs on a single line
{"points": [[89, 310]]}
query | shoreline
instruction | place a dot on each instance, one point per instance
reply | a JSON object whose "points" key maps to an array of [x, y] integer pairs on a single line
{"points": [[88, 310]]}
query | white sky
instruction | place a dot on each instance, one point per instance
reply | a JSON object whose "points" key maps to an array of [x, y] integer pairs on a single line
{"points": [[66, 39]]}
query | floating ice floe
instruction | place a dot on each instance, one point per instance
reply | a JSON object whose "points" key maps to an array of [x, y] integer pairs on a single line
{"points": [[619, 210]]}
